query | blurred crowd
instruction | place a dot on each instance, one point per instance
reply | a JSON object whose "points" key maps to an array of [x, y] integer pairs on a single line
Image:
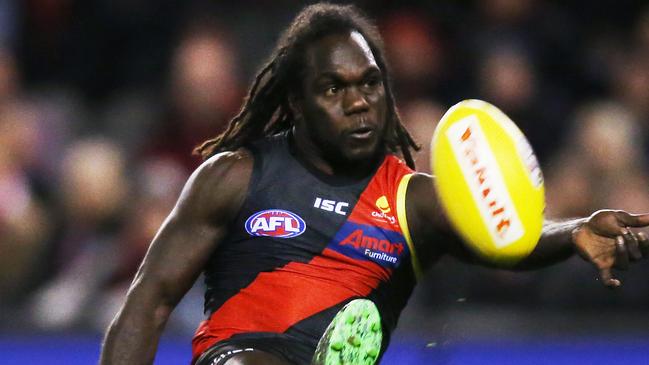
{"points": [[102, 102]]}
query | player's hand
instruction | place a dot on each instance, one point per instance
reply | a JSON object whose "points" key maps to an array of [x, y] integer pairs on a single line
{"points": [[606, 240]]}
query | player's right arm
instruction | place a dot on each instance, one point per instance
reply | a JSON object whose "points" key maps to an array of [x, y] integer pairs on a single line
{"points": [[209, 201]]}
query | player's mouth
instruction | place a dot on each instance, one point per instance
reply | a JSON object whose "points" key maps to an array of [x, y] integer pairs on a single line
{"points": [[363, 129], [362, 133]]}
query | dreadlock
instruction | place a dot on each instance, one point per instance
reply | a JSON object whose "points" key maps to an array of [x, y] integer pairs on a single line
{"points": [[266, 111]]}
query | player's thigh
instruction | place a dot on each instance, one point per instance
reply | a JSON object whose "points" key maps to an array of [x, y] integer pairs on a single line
{"points": [[255, 357]]}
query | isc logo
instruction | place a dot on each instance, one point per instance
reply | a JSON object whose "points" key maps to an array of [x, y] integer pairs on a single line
{"points": [[331, 206], [275, 223]]}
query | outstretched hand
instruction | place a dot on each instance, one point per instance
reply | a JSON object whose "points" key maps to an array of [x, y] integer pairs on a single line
{"points": [[606, 240]]}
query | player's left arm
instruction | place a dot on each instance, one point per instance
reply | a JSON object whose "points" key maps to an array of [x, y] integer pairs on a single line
{"points": [[605, 238], [608, 239]]}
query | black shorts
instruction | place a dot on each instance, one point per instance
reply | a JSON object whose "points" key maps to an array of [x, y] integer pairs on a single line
{"points": [[290, 351], [220, 353]]}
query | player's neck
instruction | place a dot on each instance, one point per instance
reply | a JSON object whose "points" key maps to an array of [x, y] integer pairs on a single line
{"points": [[319, 160]]}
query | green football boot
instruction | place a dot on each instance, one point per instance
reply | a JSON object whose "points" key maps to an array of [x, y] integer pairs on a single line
{"points": [[353, 337]]}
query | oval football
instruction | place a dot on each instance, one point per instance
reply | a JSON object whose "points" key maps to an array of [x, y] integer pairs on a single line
{"points": [[488, 181]]}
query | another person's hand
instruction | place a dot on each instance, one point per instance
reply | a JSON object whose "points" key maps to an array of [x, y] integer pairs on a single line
{"points": [[607, 241]]}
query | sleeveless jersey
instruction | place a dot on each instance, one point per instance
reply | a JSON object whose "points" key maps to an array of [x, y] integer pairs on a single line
{"points": [[303, 245]]}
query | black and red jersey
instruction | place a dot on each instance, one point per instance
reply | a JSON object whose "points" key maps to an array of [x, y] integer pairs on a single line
{"points": [[303, 245]]}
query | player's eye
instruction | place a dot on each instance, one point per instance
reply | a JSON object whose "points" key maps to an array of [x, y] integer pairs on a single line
{"points": [[332, 90], [371, 83]]}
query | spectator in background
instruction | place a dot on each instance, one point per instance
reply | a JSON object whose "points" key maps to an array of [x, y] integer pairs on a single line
{"points": [[204, 92], [603, 165], [94, 190], [416, 55], [631, 84], [630, 79], [157, 183], [523, 53], [508, 79], [25, 223]]}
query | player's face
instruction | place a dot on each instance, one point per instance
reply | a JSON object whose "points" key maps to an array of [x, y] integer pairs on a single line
{"points": [[343, 104]]}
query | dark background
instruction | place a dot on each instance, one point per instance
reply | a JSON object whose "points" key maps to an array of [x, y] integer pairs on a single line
{"points": [[101, 103]]}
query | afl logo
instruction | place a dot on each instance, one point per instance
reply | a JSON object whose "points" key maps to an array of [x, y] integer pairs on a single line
{"points": [[275, 223]]}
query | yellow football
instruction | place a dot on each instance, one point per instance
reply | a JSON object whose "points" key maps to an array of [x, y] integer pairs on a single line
{"points": [[489, 181]]}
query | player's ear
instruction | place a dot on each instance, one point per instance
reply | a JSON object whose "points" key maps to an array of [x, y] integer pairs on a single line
{"points": [[295, 106]]}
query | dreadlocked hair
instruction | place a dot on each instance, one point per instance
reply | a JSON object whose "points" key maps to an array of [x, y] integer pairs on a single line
{"points": [[266, 110]]}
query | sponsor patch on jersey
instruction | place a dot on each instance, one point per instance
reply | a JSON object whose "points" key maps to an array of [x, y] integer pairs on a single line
{"points": [[364, 242], [383, 214], [275, 223]]}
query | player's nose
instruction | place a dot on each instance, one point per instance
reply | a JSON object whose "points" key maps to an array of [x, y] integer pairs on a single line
{"points": [[354, 101]]}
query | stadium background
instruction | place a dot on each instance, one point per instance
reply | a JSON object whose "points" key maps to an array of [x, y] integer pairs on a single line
{"points": [[102, 101]]}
